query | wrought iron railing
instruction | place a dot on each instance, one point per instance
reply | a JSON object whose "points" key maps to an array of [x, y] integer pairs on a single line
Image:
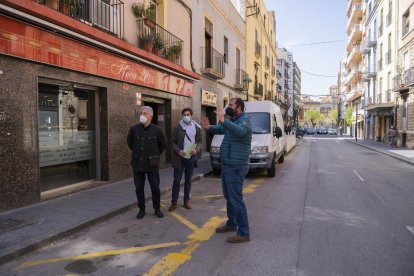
{"points": [[258, 89], [213, 59], [389, 18], [105, 15], [155, 39], [240, 76], [257, 49], [388, 57], [380, 29], [404, 80], [379, 64]]}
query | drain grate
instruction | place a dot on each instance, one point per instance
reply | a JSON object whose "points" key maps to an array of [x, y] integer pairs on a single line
{"points": [[10, 224]]}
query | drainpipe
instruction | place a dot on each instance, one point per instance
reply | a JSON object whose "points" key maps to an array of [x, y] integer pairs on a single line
{"points": [[190, 13]]}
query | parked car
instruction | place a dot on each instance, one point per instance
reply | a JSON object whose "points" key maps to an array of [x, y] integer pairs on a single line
{"points": [[332, 131], [268, 140], [310, 131], [322, 130]]}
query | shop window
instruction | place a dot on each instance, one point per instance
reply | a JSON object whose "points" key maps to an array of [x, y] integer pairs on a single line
{"points": [[66, 125]]}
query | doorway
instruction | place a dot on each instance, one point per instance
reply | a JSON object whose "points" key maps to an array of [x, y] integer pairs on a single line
{"points": [[67, 135], [161, 118]]}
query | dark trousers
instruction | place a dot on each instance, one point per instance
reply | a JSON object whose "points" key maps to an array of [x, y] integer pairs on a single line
{"points": [[187, 167], [154, 181]]}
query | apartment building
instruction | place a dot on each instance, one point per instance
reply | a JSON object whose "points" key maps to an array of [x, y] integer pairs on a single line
{"points": [[353, 63], [74, 76], [297, 91], [369, 74], [261, 57], [342, 94], [404, 80], [219, 56], [285, 82], [382, 107]]}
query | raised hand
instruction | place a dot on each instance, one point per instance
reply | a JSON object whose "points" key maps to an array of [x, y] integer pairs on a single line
{"points": [[205, 122]]}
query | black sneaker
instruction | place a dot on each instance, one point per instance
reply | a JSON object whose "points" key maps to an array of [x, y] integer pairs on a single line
{"points": [[158, 213], [141, 214]]}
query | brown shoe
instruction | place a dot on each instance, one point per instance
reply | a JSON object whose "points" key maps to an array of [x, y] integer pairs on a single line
{"points": [[225, 228], [187, 205], [238, 239], [172, 207]]}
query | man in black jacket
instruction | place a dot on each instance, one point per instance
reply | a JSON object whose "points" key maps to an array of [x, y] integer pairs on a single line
{"points": [[147, 142]]}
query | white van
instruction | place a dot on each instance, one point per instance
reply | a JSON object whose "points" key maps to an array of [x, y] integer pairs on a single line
{"points": [[268, 141]]}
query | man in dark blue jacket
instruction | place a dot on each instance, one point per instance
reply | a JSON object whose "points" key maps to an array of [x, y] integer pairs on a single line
{"points": [[147, 142], [234, 155]]}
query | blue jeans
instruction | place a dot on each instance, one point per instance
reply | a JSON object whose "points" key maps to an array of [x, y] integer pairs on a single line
{"points": [[232, 177], [187, 167]]}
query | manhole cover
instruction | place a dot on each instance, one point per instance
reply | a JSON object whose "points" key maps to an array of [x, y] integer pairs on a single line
{"points": [[9, 224]]}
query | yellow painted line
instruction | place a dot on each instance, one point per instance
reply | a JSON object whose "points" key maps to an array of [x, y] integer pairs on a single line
{"points": [[184, 221], [223, 209], [208, 196], [171, 262], [260, 180], [101, 254]]}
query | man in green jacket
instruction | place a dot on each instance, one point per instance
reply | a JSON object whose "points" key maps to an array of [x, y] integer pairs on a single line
{"points": [[234, 155]]}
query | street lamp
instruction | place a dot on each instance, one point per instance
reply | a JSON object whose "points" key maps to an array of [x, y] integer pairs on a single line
{"points": [[246, 82]]}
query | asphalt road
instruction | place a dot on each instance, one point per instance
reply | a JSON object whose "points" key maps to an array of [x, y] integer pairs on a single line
{"points": [[334, 208]]}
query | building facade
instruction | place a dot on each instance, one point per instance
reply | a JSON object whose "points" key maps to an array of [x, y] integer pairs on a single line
{"points": [[285, 82], [219, 56], [297, 92], [261, 54], [73, 81], [404, 80]]}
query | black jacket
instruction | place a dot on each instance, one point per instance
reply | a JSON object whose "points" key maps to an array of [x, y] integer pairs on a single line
{"points": [[146, 144]]}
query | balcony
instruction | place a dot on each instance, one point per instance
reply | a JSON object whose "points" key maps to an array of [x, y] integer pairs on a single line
{"points": [[356, 14], [372, 41], [213, 63], [258, 90], [267, 62], [388, 57], [355, 35], [107, 16], [354, 75], [380, 64], [351, 3], [286, 74], [240, 76], [369, 74], [273, 71], [279, 88], [355, 56], [389, 18], [257, 49], [402, 82], [279, 75], [155, 39]]}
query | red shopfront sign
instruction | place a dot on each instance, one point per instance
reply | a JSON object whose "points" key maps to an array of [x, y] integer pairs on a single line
{"points": [[25, 41]]}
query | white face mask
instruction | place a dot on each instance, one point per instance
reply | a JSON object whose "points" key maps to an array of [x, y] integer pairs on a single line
{"points": [[142, 119], [186, 119]]}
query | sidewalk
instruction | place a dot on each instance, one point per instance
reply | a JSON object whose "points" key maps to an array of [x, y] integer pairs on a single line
{"points": [[402, 154], [30, 227]]}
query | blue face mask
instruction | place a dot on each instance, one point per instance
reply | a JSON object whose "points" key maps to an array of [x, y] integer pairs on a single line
{"points": [[186, 119]]}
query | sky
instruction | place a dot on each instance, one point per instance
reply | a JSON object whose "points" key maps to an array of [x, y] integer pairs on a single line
{"points": [[312, 21]]}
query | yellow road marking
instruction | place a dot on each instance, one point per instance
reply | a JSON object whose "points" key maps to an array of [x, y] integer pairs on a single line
{"points": [[184, 221], [171, 262], [101, 254]]}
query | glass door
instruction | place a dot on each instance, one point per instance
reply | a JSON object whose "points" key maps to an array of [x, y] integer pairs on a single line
{"points": [[66, 125]]}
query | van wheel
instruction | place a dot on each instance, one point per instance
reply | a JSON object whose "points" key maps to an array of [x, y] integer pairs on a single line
{"points": [[281, 158], [272, 171]]}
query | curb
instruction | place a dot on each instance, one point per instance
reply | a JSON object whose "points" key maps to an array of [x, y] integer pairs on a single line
{"points": [[380, 151], [83, 225]]}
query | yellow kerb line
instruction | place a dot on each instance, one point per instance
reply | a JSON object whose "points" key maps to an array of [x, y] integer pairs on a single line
{"points": [[101, 254]]}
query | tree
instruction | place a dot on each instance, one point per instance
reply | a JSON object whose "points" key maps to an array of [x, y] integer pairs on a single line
{"points": [[348, 116], [313, 115], [333, 115]]}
